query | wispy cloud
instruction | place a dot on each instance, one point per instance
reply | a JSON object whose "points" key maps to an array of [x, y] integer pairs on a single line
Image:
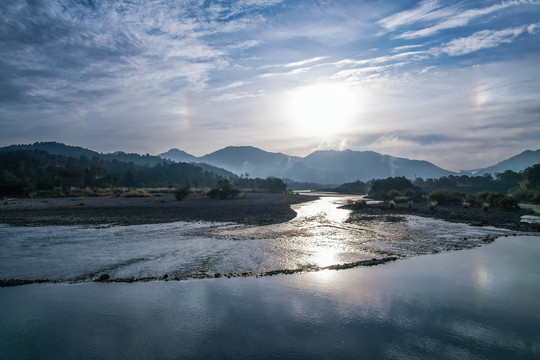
{"points": [[405, 47], [450, 17], [234, 96], [288, 73], [306, 61], [233, 85], [427, 10], [485, 39], [380, 59]]}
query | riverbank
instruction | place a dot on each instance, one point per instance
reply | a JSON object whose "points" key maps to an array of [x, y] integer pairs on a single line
{"points": [[510, 220], [250, 209]]}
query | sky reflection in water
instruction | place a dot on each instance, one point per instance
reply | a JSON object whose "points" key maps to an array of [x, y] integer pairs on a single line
{"points": [[428, 306]]}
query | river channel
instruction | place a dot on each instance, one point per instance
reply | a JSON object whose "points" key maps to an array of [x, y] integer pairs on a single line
{"points": [[318, 238]]}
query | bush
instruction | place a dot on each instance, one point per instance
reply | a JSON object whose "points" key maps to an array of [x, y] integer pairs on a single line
{"points": [[497, 200], [446, 197], [392, 195], [180, 193], [223, 190]]}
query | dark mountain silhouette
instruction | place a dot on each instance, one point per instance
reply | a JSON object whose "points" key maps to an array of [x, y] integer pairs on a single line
{"points": [[515, 163], [337, 167], [178, 156], [56, 148], [251, 160], [346, 166], [323, 167]]}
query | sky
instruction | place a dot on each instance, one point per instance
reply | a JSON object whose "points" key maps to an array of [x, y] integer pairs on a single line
{"points": [[456, 83]]}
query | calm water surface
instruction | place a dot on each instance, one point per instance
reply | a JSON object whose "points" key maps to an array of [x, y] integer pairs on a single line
{"points": [[471, 304]]}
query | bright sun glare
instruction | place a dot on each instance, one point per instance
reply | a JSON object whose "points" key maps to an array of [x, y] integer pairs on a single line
{"points": [[321, 110]]}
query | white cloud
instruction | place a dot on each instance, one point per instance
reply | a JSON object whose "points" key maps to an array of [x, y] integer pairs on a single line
{"points": [[426, 9], [405, 47], [482, 40], [461, 18], [234, 96], [380, 59], [306, 61], [232, 85], [288, 73]]}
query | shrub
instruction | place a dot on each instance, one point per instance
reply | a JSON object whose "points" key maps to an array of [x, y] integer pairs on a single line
{"points": [[357, 204], [223, 190], [392, 195], [180, 193], [497, 200], [446, 197]]}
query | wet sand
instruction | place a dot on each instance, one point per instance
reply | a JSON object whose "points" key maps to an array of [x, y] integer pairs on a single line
{"points": [[250, 209]]}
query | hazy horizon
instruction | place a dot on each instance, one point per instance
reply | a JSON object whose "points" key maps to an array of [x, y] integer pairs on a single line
{"points": [[455, 83]]}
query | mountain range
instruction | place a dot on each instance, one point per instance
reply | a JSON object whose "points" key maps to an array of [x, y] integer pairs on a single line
{"points": [[322, 166], [336, 167]]}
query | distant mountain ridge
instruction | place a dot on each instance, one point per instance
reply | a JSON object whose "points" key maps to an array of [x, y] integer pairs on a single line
{"points": [[322, 166], [337, 167], [515, 163], [56, 148]]}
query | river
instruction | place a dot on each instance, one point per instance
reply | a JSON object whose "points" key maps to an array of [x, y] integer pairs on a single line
{"points": [[318, 237], [478, 303]]}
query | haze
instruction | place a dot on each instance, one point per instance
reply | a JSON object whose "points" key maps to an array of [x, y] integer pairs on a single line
{"points": [[455, 83]]}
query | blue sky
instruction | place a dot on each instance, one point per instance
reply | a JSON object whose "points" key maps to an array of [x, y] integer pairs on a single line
{"points": [[456, 83]]}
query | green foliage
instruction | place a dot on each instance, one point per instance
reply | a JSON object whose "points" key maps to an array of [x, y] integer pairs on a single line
{"points": [[497, 200], [181, 192], [270, 184], [224, 190], [398, 189], [380, 189], [356, 187], [446, 197], [529, 188]]}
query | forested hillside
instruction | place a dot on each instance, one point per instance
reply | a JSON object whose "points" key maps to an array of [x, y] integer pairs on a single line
{"points": [[24, 172]]}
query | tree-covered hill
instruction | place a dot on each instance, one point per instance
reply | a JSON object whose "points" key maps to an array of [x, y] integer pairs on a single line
{"points": [[23, 172]]}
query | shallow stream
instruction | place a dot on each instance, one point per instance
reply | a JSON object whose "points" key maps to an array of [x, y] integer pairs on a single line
{"points": [[318, 238]]}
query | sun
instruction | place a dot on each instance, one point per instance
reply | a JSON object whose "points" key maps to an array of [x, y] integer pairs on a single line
{"points": [[320, 110]]}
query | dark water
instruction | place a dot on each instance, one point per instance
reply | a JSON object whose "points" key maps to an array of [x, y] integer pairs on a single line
{"points": [[482, 303]]}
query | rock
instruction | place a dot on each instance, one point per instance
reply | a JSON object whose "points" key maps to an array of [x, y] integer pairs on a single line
{"points": [[104, 277]]}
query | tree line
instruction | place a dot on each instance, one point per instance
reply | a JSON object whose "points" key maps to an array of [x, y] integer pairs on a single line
{"points": [[28, 172], [25, 172], [521, 186]]}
